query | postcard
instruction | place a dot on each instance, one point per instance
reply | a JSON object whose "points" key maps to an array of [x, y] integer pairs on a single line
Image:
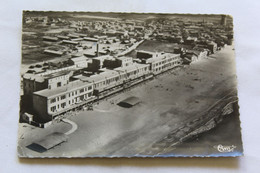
{"points": [[97, 84]]}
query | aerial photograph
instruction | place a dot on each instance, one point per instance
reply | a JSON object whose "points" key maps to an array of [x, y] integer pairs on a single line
{"points": [[96, 84]]}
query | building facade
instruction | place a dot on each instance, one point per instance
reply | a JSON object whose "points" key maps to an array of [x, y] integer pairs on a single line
{"points": [[50, 102]]}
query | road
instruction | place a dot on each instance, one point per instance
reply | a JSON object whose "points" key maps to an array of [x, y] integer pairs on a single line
{"points": [[74, 126]]}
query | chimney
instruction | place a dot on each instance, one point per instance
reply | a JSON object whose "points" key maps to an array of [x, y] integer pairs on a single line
{"points": [[97, 50]]}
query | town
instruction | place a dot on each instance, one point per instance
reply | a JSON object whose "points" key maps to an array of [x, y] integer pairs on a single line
{"points": [[101, 59], [111, 69]]}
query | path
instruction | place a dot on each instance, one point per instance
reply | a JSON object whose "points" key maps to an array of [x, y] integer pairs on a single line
{"points": [[73, 124]]}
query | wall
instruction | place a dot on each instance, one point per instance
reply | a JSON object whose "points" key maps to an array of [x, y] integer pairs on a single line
{"points": [[40, 106], [71, 98], [53, 82]]}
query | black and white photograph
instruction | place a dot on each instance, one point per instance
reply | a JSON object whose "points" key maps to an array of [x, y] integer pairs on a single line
{"points": [[109, 84]]}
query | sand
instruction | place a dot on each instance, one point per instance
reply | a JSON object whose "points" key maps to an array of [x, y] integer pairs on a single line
{"points": [[168, 102]]}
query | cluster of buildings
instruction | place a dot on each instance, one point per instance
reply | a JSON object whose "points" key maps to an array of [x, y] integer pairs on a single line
{"points": [[88, 76], [176, 30], [55, 92]]}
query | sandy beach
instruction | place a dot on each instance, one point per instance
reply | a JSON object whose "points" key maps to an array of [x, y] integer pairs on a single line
{"points": [[167, 102]]}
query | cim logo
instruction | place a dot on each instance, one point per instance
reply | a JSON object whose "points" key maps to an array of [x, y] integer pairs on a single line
{"points": [[225, 148]]}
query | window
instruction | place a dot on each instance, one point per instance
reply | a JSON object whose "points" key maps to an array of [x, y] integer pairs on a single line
{"points": [[81, 97], [53, 108], [63, 105], [81, 90], [53, 100], [62, 97], [89, 94], [59, 84]]}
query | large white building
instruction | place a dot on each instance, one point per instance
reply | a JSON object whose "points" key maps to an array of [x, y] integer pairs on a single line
{"points": [[50, 102], [64, 91], [161, 62]]}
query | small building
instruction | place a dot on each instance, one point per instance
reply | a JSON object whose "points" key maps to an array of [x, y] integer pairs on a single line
{"points": [[189, 57], [48, 38], [70, 42], [81, 61], [77, 39], [81, 35], [53, 52], [139, 28], [191, 40], [27, 117], [129, 102], [62, 37], [194, 55], [90, 39], [202, 53], [73, 36]]}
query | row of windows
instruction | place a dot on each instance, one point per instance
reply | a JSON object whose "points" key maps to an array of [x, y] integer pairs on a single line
{"points": [[70, 94], [166, 65], [63, 105], [58, 78], [164, 61], [160, 63], [108, 81], [58, 98]]}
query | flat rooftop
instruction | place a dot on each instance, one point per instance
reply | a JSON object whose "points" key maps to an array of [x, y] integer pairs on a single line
{"points": [[161, 56], [63, 89], [131, 67], [102, 76], [56, 74], [35, 77]]}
